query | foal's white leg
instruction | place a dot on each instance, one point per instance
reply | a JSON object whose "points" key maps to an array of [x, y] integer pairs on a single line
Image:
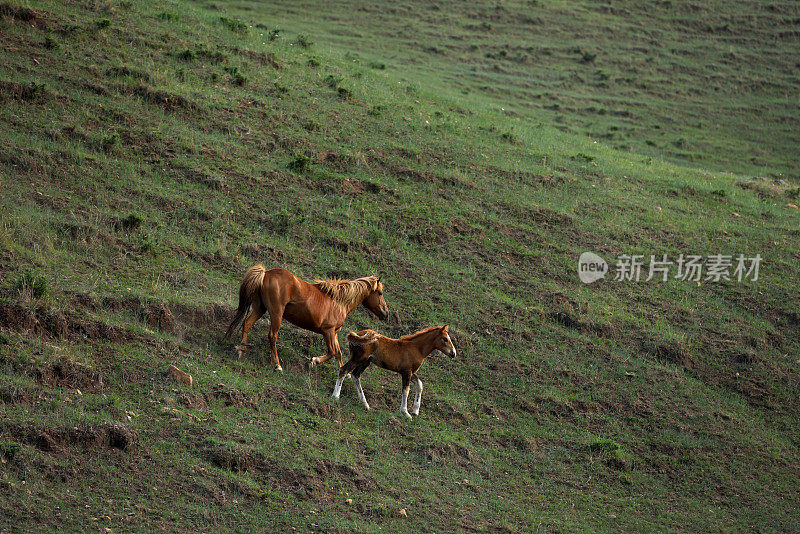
{"points": [[360, 391], [418, 399], [404, 401], [337, 390]]}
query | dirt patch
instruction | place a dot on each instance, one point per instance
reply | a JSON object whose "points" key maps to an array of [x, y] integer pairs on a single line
{"points": [[168, 101], [568, 313], [550, 218], [202, 316], [235, 459], [262, 58], [525, 177], [15, 395], [444, 411], [231, 397], [58, 325], [327, 468], [31, 92], [159, 316], [520, 443], [65, 373], [336, 160], [194, 402], [303, 483], [755, 393], [111, 436], [34, 17], [24, 14], [447, 453], [670, 352]]}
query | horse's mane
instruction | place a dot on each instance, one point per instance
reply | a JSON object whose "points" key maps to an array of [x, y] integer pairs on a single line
{"points": [[409, 337], [346, 292]]}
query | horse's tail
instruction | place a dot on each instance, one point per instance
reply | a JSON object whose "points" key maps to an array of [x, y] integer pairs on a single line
{"points": [[249, 293]]}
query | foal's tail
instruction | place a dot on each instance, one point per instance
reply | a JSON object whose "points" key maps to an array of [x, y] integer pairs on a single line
{"points": [[359, 341], [365, 337], [249, 293]]}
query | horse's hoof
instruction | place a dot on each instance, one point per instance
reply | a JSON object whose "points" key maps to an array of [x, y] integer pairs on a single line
{"points": [[407, 414], [415, 413], [279, 368]]}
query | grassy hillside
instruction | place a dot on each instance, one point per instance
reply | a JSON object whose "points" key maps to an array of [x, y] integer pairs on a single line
{"points": [[711, 83], [149, 155]]}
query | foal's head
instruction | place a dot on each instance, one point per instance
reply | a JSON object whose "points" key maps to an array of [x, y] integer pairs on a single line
{"points": [[374, 301], [444, 343]]}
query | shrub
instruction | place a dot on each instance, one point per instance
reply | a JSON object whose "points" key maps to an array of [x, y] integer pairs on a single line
{"points": [[234, 25], [131, 222], [237, 78], [110, 141], [9, 449], [50, 42], [30, 281], [332, 81], [299, 163], [165, 15], [604, 445], [304, 41], [273, 34], [187, 55]]}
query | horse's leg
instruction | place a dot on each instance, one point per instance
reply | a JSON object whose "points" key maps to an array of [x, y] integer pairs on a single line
{"points": [[418, 399], [275, 316], [343, 371], [404, 394], [337, 347], [332, 343], [257, 310], [356, 376]]}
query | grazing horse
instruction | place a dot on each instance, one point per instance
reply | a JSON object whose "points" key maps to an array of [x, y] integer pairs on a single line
{"points": [[321, 307], [404, 356]]}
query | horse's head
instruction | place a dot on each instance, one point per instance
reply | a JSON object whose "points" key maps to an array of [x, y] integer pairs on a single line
{"points": [[444, 343], [374, 301]]}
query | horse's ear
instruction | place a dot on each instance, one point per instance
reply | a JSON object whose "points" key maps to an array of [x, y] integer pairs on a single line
{"points": [[379, 278], [445, 327]]}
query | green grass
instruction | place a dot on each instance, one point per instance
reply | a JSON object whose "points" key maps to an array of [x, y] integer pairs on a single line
{"points": [[156, 153], [702, 82]]}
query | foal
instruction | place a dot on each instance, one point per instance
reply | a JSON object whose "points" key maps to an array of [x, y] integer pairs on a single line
{"points": [[404, 356]]}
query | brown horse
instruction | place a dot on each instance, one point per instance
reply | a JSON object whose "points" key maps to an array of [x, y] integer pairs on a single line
{"points": [[320, 307], [404, 356]]}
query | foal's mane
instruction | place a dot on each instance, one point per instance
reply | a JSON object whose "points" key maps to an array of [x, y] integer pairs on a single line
{"points": [[346, 292], [409, 337]]}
